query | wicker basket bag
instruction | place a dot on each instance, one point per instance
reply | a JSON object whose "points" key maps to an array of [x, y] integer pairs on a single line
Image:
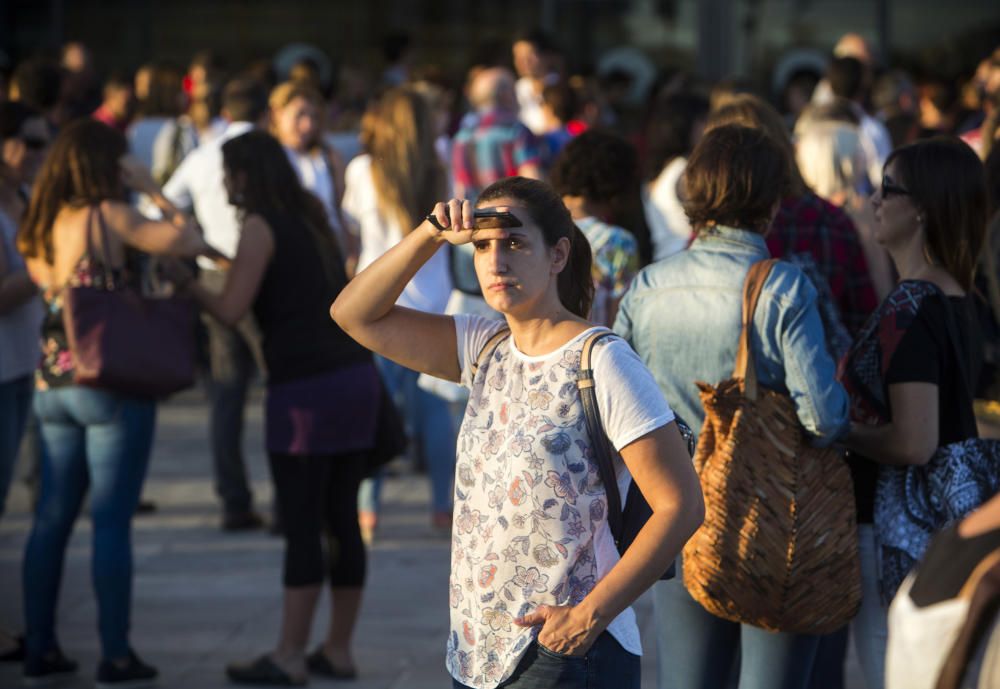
{"points": [[778, 548]]}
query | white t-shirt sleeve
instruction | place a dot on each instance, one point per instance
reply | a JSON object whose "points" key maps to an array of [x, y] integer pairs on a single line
{"points": [[178, 188], [628, 399], [472, 333]]}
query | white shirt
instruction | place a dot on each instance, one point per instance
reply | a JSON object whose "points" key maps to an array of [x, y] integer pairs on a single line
{"points": [[197, 184], [669, 227], [529, 104], [141, 136], [920, 639], [431, 286], [530, 523], [317, 177]]}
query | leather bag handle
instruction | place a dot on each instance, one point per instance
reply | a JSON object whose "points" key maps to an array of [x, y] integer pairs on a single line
{"points": [[745, 368], [105, 242]]}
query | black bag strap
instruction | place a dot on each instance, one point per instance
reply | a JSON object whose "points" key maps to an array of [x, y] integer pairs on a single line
{"points": [[489, 348], [604, 452]]}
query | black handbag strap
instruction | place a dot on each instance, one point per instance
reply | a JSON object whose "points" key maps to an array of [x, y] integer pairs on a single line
{"points": [[489, 348], [600, 443]]}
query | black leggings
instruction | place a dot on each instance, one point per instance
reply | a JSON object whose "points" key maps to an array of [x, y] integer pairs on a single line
{"points": [[318, 496]]}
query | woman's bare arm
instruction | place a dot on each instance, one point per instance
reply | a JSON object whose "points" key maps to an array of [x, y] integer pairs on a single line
{"points": [[253, 254], [366, 309], [911, 437], [158, 237]]}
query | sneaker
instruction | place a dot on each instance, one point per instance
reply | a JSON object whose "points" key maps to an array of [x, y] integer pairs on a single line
{"points": [[134, 675], [242, 521], [49, 668]]}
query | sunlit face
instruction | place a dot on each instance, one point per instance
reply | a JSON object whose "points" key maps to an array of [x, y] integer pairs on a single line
{"points": [[527, 61], [896, 214], [518, 273], [297, 124], [23, 154]]}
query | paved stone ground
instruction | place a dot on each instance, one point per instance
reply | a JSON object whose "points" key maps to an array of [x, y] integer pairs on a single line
{"points": [[203, 598]]}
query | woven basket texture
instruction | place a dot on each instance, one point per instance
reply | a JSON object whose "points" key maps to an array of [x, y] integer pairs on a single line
{"points": [[778, 548]]}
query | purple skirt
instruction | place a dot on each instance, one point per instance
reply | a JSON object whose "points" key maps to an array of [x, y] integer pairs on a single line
{"points": [[331, 413]]}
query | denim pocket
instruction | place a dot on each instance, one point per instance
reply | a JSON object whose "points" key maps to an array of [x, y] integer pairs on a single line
{"points": [[555, 655]]}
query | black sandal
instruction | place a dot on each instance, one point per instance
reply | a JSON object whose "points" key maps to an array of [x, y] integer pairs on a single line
{"points": [[319, 664], [16, 653], [262, 670]]}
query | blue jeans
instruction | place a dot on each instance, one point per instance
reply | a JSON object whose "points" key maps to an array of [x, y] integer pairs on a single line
{"points": [[102, 441], [15, 404], [429, 425], [605, 666], [697, 650]]}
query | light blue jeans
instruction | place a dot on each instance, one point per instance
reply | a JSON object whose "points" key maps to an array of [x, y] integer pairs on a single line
{"points": [[697, 650], [101, 441], [15, 405], [870, 628], [430, 428]]}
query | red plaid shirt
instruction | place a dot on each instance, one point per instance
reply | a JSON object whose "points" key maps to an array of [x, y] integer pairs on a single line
{"points": [[808, 224]]}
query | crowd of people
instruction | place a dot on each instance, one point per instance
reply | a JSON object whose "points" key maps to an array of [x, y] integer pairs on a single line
{"points": [[470, 261]]}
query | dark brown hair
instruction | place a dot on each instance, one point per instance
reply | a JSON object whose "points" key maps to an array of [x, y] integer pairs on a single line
{"points": [[81, 169], [270, 186], [735, 178], [748, 110], [946, 181], [546, 208]]}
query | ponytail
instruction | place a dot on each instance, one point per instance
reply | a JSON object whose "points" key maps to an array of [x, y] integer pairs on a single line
{"points": [[576, 282]]}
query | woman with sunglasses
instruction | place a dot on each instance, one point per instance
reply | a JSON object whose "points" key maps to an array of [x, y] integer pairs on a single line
{"points": [[903, 373], [538, 593]]}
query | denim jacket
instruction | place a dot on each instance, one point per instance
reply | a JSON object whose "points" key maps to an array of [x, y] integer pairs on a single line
{"points": [[682, 315]]}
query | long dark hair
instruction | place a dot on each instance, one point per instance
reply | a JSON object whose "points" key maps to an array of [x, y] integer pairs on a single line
{"points": [[270, 186], [946, 181], [81, 169], [546, 208]]}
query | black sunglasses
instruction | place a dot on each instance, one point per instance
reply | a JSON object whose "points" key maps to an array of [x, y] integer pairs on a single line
{"points": [[889, 188], [34, 143]]}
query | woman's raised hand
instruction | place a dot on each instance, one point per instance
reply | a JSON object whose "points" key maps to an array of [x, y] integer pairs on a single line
{"points": [[457, 219]]}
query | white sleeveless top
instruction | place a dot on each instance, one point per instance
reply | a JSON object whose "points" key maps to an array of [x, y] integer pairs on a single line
{"points": [[530, 508], [21, 328]]}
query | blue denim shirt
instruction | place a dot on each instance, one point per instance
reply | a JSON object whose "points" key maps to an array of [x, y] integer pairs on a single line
{"points": [[682, 315]]}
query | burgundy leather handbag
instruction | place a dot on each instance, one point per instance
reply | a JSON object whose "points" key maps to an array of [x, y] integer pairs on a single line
{"points": [[124, 341]]}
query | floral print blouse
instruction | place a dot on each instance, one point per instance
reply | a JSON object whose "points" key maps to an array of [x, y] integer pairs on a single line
{"points": [[530, 508], [616, 261]]}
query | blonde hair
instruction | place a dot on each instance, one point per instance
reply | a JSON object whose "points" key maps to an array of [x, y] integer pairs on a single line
{"points": [[285, 92], [830, 157], [398, 133]]}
